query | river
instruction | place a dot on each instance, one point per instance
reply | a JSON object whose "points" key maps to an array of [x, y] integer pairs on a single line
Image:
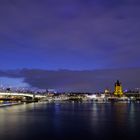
{"points": [[70, 120]]}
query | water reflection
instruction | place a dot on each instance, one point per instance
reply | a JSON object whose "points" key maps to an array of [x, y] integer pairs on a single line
{"points": [[73, 120]]}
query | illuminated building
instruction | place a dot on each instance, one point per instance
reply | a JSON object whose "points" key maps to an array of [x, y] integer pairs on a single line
{"points": [[107, 91], [118, 89]]}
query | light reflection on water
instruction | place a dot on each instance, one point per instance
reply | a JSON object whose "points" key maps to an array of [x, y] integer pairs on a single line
{"points": [[70, 120]]}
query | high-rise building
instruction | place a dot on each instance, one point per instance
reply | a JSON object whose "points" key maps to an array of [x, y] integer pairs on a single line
{"points": [[118, 89]]}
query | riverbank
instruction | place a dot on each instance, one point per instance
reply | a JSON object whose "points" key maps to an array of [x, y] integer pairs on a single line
{"points": [[10, 104]]}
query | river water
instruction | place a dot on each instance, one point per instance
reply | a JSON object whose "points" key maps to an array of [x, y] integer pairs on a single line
{"points": [[48, 121]]}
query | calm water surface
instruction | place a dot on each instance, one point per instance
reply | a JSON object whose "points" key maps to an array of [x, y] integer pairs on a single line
{"points": [[70, 121]]}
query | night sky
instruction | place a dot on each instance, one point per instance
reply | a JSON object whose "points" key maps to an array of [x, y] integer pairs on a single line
{"points": [[70, 45]]}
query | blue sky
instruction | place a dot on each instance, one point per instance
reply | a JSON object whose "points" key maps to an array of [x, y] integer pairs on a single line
{"points": [[12, 82]]}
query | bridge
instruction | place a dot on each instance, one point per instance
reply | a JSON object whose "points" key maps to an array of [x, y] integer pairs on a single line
{"points": [[22, 94]]}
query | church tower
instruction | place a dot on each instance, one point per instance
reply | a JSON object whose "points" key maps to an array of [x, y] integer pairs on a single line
{"points": [[118, 89]]}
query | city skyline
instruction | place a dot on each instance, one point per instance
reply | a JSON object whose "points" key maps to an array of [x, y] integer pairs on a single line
{"points": [[82, 45]]}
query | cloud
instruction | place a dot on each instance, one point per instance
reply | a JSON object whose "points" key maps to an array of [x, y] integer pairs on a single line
{"points": [[105, 32], [68, 80]]}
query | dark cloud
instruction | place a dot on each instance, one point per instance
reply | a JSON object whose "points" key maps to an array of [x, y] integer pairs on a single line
{"points": [[67, 80]]}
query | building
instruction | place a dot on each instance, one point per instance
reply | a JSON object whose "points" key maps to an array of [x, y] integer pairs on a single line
{"points": [[118, 89]]}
